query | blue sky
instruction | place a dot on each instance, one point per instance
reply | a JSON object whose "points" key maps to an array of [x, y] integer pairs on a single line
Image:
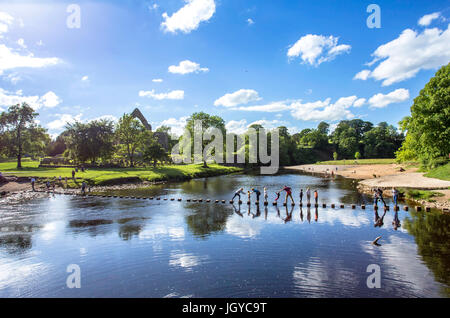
{"points": [[291, 63]]}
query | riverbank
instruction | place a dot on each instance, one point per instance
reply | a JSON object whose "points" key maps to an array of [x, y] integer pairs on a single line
{"points": [[386, 177], [18, 181]]}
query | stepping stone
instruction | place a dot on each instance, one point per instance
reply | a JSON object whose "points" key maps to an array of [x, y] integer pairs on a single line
{"points": [[405, 208], [363, 207], [428, 209], [208, 200], [418, 208], [223, 201], [353, 206], [342, 206], [172, 199], [179, 199], [266, 203], [332, 205], [324, 205]]}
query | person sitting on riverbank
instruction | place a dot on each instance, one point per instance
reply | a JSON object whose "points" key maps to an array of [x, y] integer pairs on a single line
{"points": [[288, 191], [238, 194], [47, 184], [257, 192], [73, 174]]}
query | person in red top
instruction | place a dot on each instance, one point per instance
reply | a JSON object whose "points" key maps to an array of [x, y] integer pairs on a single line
{"points": [[288, 191]]}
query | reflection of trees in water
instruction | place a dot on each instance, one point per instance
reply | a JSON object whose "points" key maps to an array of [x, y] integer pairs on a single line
{"points": [[432, 236], [128, 231], [16, 243], [92, 227], [207, 219]]}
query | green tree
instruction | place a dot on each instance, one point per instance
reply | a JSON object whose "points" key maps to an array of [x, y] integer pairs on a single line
{"points": [[131, 135], [20, 134], [428, 127], [357, 155], [90, 141], [153, 152], [208, 122], [335, 155]]}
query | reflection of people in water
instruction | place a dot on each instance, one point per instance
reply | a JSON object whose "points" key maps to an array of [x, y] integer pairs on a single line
{"points": [[266, 196], [301, 196], [396, 222], [258, 212], [308, 214], [379, 221], [278, 210], [266, 212], [288, 215], [238, 210], [301, 214], [316, 215]]}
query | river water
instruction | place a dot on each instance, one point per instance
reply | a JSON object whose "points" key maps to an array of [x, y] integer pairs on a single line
{"points": [[149, 248]]}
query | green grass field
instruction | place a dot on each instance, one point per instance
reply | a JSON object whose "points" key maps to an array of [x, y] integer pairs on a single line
{"points": [[442, 172], [117, 175], [353, 161]]}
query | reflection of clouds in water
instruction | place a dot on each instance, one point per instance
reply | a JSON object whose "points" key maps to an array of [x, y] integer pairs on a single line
{"points": [[83, 251], [345, 217], [49, 231], [319, 278], [160, 231], [185, 260], [410, 275], [176, 295], [17, 276], [245, 227]]}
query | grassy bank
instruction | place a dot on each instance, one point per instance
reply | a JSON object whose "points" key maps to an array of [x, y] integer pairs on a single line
{"points": [[426, 195], [442, 172], [118, 175], [353, 161]]}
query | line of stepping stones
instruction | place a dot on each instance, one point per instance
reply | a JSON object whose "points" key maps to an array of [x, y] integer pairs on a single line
{"points": [[324, 205]]}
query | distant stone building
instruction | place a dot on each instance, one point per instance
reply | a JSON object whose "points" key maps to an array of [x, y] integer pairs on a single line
{"points": [[162, 137]]}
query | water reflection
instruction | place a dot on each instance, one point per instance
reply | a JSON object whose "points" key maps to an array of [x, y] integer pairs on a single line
{"points": [[150, 248]]}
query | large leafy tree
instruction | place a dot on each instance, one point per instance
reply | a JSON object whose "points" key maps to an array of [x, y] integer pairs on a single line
{"points": [[208, 122], [428, 127], [382, 141], [132, 136], [154, 152], [20, 134], [90, 141]]}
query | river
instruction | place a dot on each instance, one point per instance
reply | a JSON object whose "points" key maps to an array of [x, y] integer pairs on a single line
{"points": [[150, 248]]}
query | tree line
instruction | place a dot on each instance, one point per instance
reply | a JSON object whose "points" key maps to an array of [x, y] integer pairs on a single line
{"points": [[129, 143]]}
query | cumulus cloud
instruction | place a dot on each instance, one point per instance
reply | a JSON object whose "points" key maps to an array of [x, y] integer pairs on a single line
{"points": [[176, 125], [176, 94], [186, 67], [324, 110], [5, 21], [240, 97], [63, 120], [189, 17], [157, 80], [12, 60], [316, 49], [381, 100], [49, 100], [411, 52], [85, 78], [428, 18], [250, 21]]}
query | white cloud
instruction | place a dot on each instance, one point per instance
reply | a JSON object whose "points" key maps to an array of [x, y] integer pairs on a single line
{"points": [[63, 120], [363, 75], [176, 125], [11, 60], [270, 108], [428, 18], [186, 67], [359, 102], [316, 49], [152, 7], [324, 110], [240, 97], [250, 21], [236, 126], [176, 94], [14, 78], [50, 99], [5, 21], [189, 17], [85, 78], [381, 100], [157, 80], [403, 57]]}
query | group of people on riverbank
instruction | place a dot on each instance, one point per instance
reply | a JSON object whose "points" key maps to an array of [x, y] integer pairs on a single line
{"points": [[286, 189]]}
